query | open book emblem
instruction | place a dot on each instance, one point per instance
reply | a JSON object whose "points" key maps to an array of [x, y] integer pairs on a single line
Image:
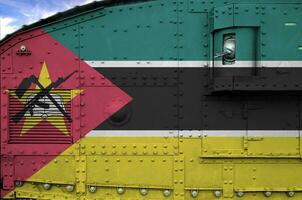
{"points": [[45, 108]]}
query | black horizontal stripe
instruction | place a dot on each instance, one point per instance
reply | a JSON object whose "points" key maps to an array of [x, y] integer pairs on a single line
{"points": [[206, 98]]}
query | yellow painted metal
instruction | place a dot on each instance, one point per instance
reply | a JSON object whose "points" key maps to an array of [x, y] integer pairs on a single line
{"points": [[179, 165], [119, 146], [220, 146], [274, 147], [136, 171]]}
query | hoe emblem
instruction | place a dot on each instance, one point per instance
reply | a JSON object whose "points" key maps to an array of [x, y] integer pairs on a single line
{"points": [[49, 105]]}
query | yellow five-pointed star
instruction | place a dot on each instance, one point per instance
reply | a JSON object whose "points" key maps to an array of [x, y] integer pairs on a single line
{"points": [[56, 120]]}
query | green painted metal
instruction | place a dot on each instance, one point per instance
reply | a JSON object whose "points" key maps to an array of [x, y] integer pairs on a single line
{"points": [[279, 42], [144, 31], [185, 30], [193, 35], [68, 36], [208, 5]]}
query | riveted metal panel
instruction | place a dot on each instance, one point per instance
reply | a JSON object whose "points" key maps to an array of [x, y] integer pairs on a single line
{"points": [[159, 114], [247, 15], [111, 170], [6, 62], [223, 17], [130, 146], [196, 178], [281, 21], [272, 79], [267, 177], [60, 171], [132, 29], [7, 172], [67, 32], [139, 76], [193, 35], [196, 6]]}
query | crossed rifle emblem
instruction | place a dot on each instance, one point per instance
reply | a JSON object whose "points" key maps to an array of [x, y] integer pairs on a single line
{"points": [[35, 101]]}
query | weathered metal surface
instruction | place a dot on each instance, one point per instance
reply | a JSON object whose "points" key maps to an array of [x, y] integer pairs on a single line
{"points": [[198, 127]]}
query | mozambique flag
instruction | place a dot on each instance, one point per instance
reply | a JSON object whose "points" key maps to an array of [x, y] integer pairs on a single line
{"points": [[50, 99]]}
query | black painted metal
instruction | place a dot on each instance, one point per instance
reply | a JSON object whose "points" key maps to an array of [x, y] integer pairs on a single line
{"points": [[188, 99]]}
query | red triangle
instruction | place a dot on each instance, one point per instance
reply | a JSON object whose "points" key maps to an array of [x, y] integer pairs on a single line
{"points": [[88, 109]]}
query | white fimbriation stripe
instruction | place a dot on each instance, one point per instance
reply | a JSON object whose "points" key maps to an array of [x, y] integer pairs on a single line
{"points": [[281, 64], [238, 64], [194, 133], [116, 64], [144, 63], [200, 63], [194, 64], [224, 133], [133, 133], [275, 133]]}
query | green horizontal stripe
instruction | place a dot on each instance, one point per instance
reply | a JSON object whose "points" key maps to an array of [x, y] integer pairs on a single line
{"points": [[164, 30]]}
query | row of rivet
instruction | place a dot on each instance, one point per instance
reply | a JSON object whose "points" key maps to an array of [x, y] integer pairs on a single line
{"points": [[46, 186], [93, 189], [218, 193], [142, 191]]}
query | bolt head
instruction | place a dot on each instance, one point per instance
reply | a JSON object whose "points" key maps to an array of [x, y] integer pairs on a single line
{"points": [[18, 183], [23, 48], [69, 188], [143, 191], [92, 189], [217, 193], [240, 194], [194, 193], [167, 193], [267, 193], [120, 190], [290, 193], [46, 186]]}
